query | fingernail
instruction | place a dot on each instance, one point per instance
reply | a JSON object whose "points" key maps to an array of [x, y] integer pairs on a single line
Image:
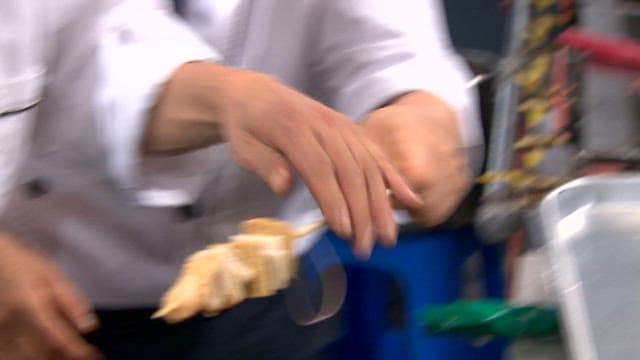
{"points": [[364, 246], [362, 251], [390, 233], [346, 232], [87, 322]]}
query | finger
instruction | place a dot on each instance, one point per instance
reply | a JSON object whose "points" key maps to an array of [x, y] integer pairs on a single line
{"points": [[381, 211], [400, 188], [73, 305], [58, 335], [263, 160], [317, 170], [352, 180]]}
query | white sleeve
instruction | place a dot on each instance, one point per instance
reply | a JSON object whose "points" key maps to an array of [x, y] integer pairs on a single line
{"points": [[140, 44], [371, 51]]}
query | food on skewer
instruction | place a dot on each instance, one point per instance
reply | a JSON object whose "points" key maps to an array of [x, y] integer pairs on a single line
{"points": [[255, 263]]}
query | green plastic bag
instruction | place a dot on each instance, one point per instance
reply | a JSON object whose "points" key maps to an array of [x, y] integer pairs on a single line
{"points": [[491, 318]]}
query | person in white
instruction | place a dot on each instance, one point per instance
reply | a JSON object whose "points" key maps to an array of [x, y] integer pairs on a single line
{"points": [[148, 141], [40, 309], [21, 83]]}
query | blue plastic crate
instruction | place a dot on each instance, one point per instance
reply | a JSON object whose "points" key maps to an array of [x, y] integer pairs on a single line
{"points": [[427, 268]]}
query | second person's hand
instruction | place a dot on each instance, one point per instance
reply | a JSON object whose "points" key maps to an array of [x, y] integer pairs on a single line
{"points": [[42, 315], [420, 134]]}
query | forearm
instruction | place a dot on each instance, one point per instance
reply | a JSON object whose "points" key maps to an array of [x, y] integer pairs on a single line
{"points": [[419, 99], [188, 111]]}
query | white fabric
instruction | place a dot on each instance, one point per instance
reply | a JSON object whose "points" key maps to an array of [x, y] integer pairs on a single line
{"points": [[114, 55], [22, 62], [22, 71], [14, 136], [140, 46]]}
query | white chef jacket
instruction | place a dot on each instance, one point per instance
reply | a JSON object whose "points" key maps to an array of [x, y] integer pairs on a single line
{"points": [[22, 71], [119, 224]]}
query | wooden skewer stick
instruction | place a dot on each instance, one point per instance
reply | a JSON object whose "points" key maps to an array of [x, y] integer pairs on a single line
{"points": [[309, 228]]}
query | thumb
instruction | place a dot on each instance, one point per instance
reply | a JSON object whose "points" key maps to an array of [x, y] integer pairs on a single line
{"points": [[73, 304], [264, 161]]}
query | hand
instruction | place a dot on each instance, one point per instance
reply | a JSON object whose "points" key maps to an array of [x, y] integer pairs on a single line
{"points": [[42, 316], [419, 133], [272, 130]]}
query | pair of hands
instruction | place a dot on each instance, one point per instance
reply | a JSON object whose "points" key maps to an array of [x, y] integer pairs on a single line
{"points": [[411, 146]]}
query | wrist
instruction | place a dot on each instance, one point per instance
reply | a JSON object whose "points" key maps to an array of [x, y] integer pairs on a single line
{"points": [[426, 104], [189, 110], [418, 108]]}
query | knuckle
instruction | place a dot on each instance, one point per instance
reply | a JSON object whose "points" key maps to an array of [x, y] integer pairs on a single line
{"points": [[365, 161]]}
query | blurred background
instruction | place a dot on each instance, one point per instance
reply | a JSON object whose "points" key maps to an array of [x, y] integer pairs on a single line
{"points": [[477, 24]]}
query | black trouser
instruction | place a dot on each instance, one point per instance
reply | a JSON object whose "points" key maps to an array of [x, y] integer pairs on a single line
{"points": [[255, 329]]}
